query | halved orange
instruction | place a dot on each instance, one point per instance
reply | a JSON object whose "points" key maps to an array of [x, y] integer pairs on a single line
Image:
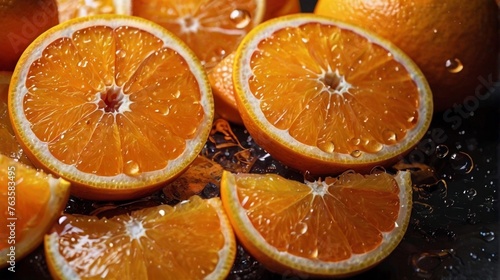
{"points": [[192, 240], [337, 227], [31, 201], [69, 9], [323, 96], [115, 104], [211, 28]]}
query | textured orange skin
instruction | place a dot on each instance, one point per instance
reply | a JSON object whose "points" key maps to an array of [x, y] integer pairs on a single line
{"points": [[432, 32], [22, 21]]}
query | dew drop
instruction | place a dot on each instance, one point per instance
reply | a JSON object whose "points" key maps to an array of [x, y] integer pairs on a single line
{"points": [[373, 146], [461, 162], [132, 168], [356, 153], [487, 236], [121, 53], [328, 146], [241, 18], [389, 136], [454, 65], [355, 141], [442, 151], [470, 193]]}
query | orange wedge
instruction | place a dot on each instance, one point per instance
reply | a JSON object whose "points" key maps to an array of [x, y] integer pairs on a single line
{"points": [[69, 9], [323, 96], [9, 147], [211, 28], [115, 104], [332, 228], [31, 201], [192, 240], [221, 80]]}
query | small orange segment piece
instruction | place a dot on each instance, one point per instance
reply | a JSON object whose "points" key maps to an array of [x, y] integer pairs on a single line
{"points": [[31, 202]]}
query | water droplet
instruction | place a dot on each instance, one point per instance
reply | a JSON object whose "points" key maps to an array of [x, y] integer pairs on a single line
{"points": [[389, 136], [461, 162], [241, 18], [355, 141], [373, 146], [487, 236], [327, 146], [378, 170], [454, 65], [470, 193], [121, 53], [424, 263], [82, 63], [442, 151], [132, 168], [356, 153]]}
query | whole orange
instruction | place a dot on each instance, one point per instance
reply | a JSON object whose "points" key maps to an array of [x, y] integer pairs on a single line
{"points": [[21, 22], [454, 42]]}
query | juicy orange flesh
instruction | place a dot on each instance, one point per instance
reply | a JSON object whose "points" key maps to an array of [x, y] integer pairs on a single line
{"points": [[180, 242], [212, 29], [349, 218], [357, 94], [114, 96], [69, 9], [9, 147], [24, 195]]}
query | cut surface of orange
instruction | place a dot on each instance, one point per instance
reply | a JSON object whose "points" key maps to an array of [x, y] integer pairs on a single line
{"points": [[31, 202], [116, 104], [221, 80], [192, 240], [211, 28], [322, 96], [336, 227], [69, 9], [9, 147]]}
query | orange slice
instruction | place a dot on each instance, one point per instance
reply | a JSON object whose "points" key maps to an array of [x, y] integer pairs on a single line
{"points": [[69, 9], [221, 80], [31, 202], [115, 104], [323, 96], [336, 227], [9, 147], [193, 240], [212, 28]]}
